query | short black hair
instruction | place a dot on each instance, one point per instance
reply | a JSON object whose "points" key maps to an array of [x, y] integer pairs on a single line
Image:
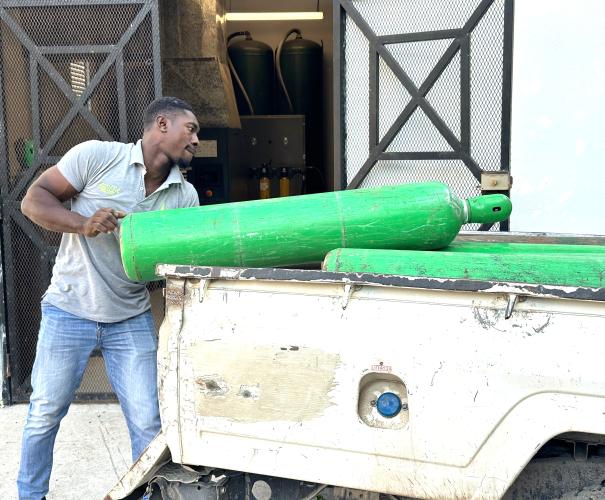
{"points": [[164, 106]]}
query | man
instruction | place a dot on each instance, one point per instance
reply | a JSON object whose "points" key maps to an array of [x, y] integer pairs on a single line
{"points": [[90, 302]]}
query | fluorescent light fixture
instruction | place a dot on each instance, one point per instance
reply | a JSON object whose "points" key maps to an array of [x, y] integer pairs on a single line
{"points": [[274, 16]]}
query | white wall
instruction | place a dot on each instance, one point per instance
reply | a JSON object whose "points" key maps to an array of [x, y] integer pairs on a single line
{"points": [[558, 116]]}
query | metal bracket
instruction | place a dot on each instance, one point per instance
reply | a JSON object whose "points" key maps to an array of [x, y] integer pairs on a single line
{"points": [[346, 493], [346, 296], [580, 451], [496, 181], [202, 289], [512, 301]]}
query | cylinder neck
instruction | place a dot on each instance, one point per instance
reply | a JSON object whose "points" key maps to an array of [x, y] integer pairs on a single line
{"points": [[466, 211], [487, 209]]}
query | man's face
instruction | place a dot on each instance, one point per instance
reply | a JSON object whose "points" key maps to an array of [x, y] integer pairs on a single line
{"points": [[180, 140]]}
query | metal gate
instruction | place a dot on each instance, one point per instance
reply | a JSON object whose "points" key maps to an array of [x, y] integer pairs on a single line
{"points": [[424, 93], [69, 71]]}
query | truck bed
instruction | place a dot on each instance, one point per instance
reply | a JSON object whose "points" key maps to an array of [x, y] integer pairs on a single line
{"points": [[278, 372]]}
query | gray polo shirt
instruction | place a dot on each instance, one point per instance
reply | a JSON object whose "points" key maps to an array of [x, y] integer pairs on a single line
{"points": [[88, 278]]}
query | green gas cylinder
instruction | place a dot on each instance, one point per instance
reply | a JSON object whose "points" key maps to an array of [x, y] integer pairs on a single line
{"points": [[301, 229], [496, 247], [561, 265]]}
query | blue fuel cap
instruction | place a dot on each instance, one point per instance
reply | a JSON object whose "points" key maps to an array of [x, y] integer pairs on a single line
{"points": [[388, 404]]}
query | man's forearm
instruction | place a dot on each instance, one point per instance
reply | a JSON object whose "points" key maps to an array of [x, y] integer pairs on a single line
{"points": [[47, 211]]}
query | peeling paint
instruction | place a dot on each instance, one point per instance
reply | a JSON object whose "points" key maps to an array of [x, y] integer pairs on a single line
{"points": [[484, 318], [436, 371], [541, 328], [380, 280], [521, 322], [249, 391], [212, 385], [292, 384]]}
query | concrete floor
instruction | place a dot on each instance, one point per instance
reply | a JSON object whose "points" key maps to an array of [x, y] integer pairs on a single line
{"points": [[91, 452]]}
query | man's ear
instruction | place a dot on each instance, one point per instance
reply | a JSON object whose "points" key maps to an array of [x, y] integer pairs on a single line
{"points": [[161, 123]]}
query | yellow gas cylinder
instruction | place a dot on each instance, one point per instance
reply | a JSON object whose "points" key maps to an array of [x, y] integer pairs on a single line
{"points": [[264, 184], [284, 182]]}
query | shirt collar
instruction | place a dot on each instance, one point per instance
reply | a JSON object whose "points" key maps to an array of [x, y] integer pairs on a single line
{"points": [[136, 158], [136, 154]]}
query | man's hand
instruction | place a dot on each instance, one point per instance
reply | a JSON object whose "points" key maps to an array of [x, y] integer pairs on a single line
{"points": [[104, 220]]}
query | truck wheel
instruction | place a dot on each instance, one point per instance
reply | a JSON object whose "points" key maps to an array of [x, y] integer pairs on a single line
{"points": [[588, 493], [560, 478]]}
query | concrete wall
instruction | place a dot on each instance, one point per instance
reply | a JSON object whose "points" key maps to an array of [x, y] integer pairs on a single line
{"points": [[194, 57]]}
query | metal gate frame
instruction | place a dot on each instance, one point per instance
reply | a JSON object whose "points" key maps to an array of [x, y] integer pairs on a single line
{"points": [[460, 43], [10, 203], [4, 366]]}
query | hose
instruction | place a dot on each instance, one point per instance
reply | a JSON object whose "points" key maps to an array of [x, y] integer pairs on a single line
{"points": [[233, 70], [280, 77]]}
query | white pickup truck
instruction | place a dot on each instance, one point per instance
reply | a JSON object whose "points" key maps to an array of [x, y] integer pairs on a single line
{"points": [[305, 384]]}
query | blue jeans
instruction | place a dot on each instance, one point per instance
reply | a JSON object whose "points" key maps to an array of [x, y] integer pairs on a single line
{"points": [[64, 346]]}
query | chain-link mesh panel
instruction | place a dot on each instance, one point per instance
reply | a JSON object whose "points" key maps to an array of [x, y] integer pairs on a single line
{"points": [[451, 172], [417, 59], [53, 105], [392, 17], [95, 120], [445, 95], [419, 134], [104, 102], [68, 73], [26, 282], [357, 142], [486, 88], [20, 188], [78, 128], [392, 98], [17, 105], [58, 25], [138, 72], [95, 384], [464, 89]]}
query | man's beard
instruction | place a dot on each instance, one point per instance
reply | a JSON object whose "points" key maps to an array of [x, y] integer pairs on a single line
{"points": [[183, 163]]}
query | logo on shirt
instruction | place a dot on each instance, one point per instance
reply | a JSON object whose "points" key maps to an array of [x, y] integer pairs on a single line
{"points": [[109, 189]]}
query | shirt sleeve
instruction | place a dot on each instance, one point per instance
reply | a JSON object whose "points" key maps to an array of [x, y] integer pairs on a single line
{"points": [[78, 164]]}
